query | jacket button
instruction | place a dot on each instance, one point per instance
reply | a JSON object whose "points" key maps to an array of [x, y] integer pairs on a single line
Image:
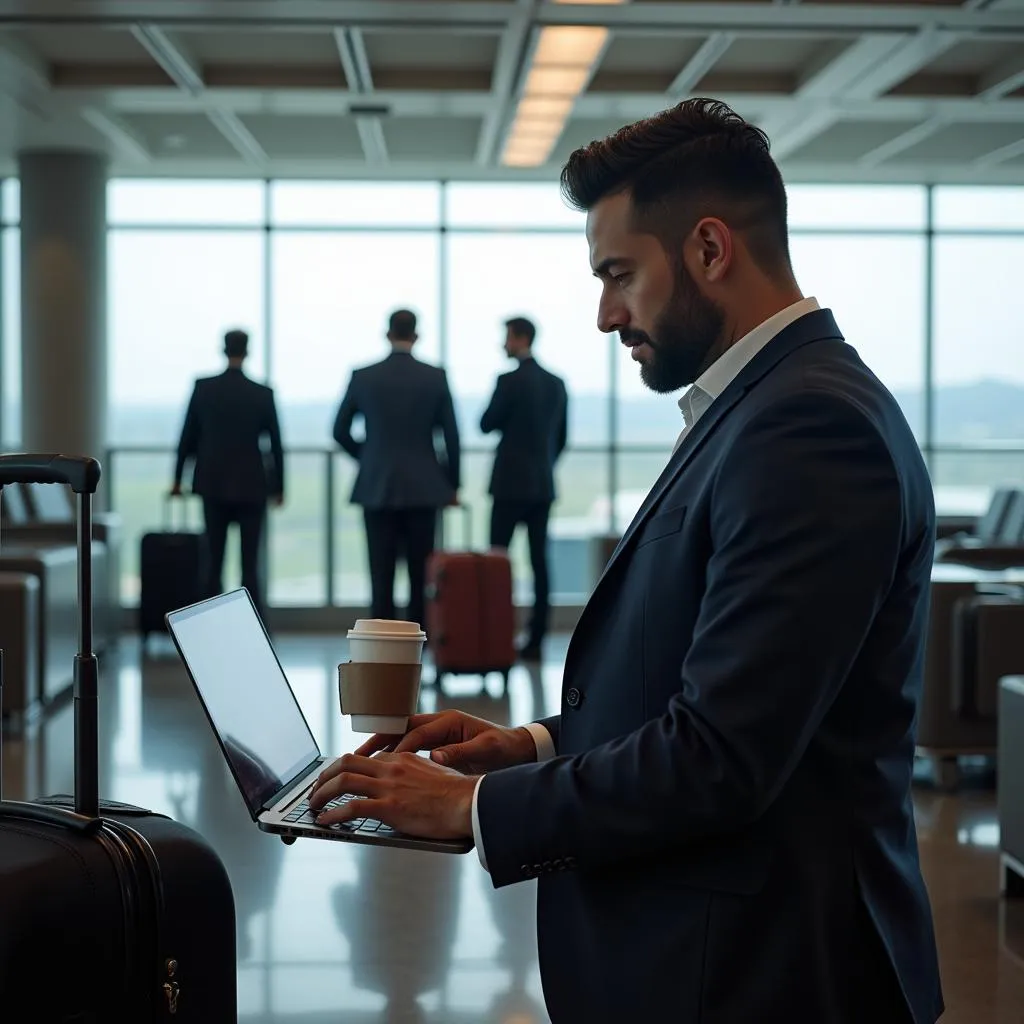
{"points": [[573, 697]]}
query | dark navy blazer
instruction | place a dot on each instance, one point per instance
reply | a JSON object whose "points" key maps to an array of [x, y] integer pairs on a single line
{"points": [[228, 417], [404, 404], [530, 408], [726, 835]]}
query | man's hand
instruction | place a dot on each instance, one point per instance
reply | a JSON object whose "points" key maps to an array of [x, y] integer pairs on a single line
{"points": [[175, 491], [460, 741], [277, 500], [405, 791]]}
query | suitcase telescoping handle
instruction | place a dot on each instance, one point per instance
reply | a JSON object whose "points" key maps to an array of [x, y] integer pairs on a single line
{"points": [[82, 475]]}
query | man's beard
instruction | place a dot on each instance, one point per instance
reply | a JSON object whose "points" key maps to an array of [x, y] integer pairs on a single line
{"points": [[684, 334]]}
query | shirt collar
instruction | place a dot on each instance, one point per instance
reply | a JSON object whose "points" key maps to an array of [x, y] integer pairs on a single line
{"points": [[724, 370]]}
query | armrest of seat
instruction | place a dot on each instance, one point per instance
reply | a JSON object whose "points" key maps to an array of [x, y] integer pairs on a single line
{"points": [[1009, 556], [988, 643], [106, 527]]}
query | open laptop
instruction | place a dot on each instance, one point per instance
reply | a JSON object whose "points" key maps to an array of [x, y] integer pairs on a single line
{"points": [[260, 727]]}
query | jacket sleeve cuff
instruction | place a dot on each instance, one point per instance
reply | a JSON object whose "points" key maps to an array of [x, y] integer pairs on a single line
{"points": [[545, 745]]}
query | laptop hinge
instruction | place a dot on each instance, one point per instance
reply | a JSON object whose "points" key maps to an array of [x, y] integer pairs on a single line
{"points": [[289, 785]]}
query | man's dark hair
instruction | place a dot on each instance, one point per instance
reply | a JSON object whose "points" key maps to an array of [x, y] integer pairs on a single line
{"points": [[402, 325], [236, 344], [698, 159], [522, 328]]}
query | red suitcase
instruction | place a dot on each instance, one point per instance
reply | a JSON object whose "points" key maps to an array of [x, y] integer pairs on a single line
{"points": [[470, 617]]}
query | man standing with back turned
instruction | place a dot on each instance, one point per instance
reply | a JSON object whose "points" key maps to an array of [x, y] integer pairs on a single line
{"points": [[227, 420], [529, 407], [721, 815], [401, 483]]}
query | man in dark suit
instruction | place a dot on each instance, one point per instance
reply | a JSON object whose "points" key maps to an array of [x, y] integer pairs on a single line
{"points": [[232, 433], [529, 408], [721, 815], [401, 481]]}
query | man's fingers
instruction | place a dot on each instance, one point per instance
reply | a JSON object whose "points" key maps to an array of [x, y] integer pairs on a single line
{"points": [[415, 739], [380, 741], [416, 721], [346, 782], [458, 755], [427, 736], [328, 773], [352, 775], [366, 808]]}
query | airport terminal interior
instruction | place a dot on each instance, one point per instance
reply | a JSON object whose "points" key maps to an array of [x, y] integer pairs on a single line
{"points": [[171, 170]]}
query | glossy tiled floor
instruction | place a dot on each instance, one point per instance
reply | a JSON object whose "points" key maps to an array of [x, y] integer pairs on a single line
{"points": [[343, 934]]}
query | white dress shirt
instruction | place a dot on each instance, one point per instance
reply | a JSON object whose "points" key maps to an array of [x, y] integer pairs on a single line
{"points": [[696, 401]]}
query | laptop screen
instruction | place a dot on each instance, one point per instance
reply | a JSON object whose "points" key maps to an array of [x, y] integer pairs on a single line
{"points": [[247, 697]]}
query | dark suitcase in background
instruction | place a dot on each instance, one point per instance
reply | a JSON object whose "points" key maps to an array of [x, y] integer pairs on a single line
{"points": [[107, 912], [172, 567], [470, 614]]}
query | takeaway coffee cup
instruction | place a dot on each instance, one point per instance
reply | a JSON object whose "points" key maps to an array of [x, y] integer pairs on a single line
{"points": [[380, 684]]}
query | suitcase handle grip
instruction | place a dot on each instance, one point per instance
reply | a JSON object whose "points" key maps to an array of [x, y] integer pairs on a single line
{"points": [[80, 473], [61, 817]]}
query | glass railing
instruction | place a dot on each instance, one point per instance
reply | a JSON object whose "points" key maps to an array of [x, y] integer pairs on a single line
{"points": [[316, 550]]}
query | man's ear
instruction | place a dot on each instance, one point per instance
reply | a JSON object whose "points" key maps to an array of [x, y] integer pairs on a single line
{"points": [[710, 250]]}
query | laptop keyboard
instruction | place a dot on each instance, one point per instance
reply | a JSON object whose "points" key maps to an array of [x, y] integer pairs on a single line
{"points": [[300, 814]]}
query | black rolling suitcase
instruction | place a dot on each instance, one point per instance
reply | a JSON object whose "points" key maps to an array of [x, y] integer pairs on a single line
{"points": [[107, 912], [172, 564]]}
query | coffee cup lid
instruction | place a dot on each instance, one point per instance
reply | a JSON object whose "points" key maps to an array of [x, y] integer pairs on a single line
{"points": [[386, 629]]}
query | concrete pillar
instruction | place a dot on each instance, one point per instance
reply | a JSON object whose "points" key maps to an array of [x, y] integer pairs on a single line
{"points": [[63, 302]]}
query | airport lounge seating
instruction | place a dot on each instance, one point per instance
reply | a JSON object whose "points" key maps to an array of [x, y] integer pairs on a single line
{"points": [[39, 631], [997, 542], [1011, 784], [975, 636]]}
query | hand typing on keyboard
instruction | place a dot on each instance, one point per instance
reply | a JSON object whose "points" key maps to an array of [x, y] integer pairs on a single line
{"points": [[301, 814], [406, 792]]}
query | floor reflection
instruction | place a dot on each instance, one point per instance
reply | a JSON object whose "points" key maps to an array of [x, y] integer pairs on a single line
{"points": [[329, 932]]}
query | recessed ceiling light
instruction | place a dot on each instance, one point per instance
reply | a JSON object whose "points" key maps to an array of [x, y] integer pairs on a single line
{"points": [[174, 141]]}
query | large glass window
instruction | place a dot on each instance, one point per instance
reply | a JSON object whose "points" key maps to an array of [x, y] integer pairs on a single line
{"points": [[492, 277], [11, 327], [331, 295], [297, 574], [221, 203], [978, 312], [857, 207], [975, 208], [875, 285], [10, 200], [514, 206], [351, 568], [312, 270], [172, 295], [376, 204], [964, 480]]}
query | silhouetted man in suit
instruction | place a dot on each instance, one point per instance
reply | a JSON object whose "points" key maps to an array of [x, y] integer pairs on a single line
{"points": [[232, 433], [529, 408], [720, 817], [401, 481]]}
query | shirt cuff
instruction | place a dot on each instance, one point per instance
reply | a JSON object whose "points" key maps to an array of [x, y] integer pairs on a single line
{"points": [[545, 751], [541, 740], [477, 838]]}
